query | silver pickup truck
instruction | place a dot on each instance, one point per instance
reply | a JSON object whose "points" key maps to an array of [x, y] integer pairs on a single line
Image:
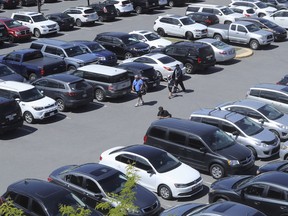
{"points": [[242, 32]]}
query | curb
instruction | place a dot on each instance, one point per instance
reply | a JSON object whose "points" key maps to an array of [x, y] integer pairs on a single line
{"points": [[243, 52]]}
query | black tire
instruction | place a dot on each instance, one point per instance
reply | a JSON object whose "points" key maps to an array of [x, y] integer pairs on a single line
{"points": [[78, 23], [128, 55], [99, 95], [118, 13], [171, 3], [11, 38], [165, 192], [161, 32], [100, 19], [60, 105], [71, 68], [189, 35], [217, 171], [253, 151], [190, 69], [261, 15], [218, 37], [37, 33], [138, 10], [254, 44], [32, 76], [286, 157], [159, 74], [28, 117]]}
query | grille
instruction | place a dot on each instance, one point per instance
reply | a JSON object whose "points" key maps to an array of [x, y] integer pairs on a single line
{"points": [[25, 32], [150, 208], [275, 150], [51, 26], [247, 160], [52, 105], [204, 31], [194, 182], [273, 142]]}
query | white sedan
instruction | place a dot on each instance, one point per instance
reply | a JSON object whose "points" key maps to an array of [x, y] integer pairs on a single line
{"points": [[158, 170], [151, 38], [279, 17], [163, 64]]}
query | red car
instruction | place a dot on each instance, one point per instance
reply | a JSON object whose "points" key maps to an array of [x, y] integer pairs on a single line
{"points": [[17, 32]]}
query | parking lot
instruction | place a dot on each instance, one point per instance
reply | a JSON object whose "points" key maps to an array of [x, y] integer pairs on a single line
{"points": [[80, 136]]}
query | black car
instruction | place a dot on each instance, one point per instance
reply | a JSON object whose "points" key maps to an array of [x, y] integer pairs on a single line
{"points": [[67, 90], [194, 55], [6, 73], [280, 33], [147, 72], [105, 11], [64, 21], [266, 192], [93, 182], [204, 18], [123, 44], [38, 197], [281, 166], [283, 81], [141, 6]]}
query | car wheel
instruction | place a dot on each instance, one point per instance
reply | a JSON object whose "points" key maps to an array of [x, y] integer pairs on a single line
{"points": [[100, 19], [60, 105], [28, 117], [171, 3], [189, 35], [276, 133], [217, 171], [138, 10], [78, 23], [153, 47], [99, 95], [189, 68], [118, 13], [128, 55], [254, 44], [261, 15], [71, 68], [32, 76], [159, 74], [218, 37], [165, 192], [253, 151], [11, 38], [37, 33], [161, 32], [286, 157]]}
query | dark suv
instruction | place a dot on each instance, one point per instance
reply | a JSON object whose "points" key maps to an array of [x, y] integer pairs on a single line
{"points": [[194, 55], [141, 6], [123, 44], [105, 11]]}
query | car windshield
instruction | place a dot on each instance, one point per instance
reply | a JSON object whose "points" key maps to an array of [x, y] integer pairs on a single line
{"points": [[241, 182], [187, 21], [270, 112], [5, 71], [269, 24], [30, 95], [12, 23], [227, 11], [113, 183], [219, 44], [261, 5], [252, 28], [95, 47], [151, 36], [129, 40], [39, 18], [248, 126], [219, 140], [164, 162], [74, 51], [166, 60]]}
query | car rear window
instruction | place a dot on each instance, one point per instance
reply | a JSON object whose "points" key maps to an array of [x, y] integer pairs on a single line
{"points": [[89, 11], [148, 73], [250, 11], [119, 78], [79, 85], [166, 60], [205, 51], [125, 2]]}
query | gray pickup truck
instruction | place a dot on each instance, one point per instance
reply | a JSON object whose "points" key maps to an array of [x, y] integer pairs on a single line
{"points": [[241, 32]]}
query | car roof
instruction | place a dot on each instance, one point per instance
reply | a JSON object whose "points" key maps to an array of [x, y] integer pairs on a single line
{"points": [[271, 86], [156, 55], [25, 50], [5, 18], [83, 42], [189, 44], [143, 32], [206, 5], [245, 23], [134, 65], [67, 78], [55, 14], [28, 13], [54, 42], [208, 40], [173, 16], [102, 69], [273, 177], [241, 7], [16, 86], [203, 13], [79, 8], [115, 34], [247, 103]]}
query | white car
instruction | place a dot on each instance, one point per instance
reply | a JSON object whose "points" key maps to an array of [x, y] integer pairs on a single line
{"points": [[163, 64], [82, 15], [151, 38], [279, 17], [244, 10], [122, 6], [180, 26], [158, 170]]}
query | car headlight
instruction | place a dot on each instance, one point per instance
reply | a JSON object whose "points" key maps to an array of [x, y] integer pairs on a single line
{"points": [[37, 108], [283, 126], [233, 162], [197, 30], [102, 58], [180, 185], [43, 26]]}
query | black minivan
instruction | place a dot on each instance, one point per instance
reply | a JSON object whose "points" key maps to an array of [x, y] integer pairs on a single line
{"points": [[201, 146]]}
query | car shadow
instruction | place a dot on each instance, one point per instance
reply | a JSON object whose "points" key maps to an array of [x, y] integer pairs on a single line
{"points": [[274, 157], [20, 132], [269, 47], [210, 70], [230, 62], [52, 119], [92, 106], [8, 45]]}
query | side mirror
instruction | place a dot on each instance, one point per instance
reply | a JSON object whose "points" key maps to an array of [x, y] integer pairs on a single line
{"points": [[235, 133], [261, 120], [179, 24], [150, 171], [17, 99]]}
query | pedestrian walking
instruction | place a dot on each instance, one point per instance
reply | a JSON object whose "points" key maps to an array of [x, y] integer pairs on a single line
{"points": [[137, 86], [170, 85], [163, 113], [178, 77]]}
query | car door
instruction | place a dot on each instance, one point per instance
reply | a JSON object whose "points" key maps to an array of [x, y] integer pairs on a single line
{"points": [[177, 52], [239, 34], [252, 195], [52, 89], [177, 28], [281, 18]]}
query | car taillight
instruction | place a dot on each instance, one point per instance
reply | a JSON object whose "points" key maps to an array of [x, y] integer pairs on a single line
{"points": [[110, 88], [223, 53], [167, 68], [71, 94], [199, 60], [247, 15], [145, 138], [100, 157], [208, 21], [42, 72], [49, 179], [105, 10]]}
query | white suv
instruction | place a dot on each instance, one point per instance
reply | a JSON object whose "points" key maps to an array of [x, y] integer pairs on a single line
{"points": [[180, 26], [37, 23], [34, 105], [82, 15], [122, 6]]}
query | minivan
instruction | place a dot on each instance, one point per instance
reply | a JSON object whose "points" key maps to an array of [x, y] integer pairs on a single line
{"points": [[204, 147]]}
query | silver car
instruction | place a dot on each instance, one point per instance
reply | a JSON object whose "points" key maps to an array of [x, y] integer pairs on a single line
{"points": [[262, 142], [223, 52]]}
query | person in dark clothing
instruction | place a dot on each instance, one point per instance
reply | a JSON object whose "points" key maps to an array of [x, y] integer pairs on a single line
{"points": [[178, 78], [163, 113]]}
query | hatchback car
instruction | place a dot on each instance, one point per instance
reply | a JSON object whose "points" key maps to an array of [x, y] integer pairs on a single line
{"points": [[123, 7], [67, 90], [204, 18], [38, 197], [82, 15], [281, 166], [64, 21], [266, 192], [124, 45], [95, 182], [6, 73], [105, 11], [158, 170]]}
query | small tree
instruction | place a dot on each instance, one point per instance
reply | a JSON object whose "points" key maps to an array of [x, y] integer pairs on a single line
{"points": [[71, 211], [7, 208], [125, 199]]}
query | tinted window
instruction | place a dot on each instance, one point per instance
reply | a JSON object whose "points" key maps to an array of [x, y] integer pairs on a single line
{"points": [[36, 46], [126, 158], [194, 143], [177, 137], [92, 186], [275, 193], [78, 85], [254, 190], [157, 132], [193, 9], [119, 78], [254, 92], [267, 95], [37, 209], [22, 201], [166, 59]]}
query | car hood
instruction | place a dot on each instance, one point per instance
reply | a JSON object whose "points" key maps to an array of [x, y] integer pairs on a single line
{"points": [[47, 22], [13, 77], [181, 209], [105, 53], [283, 120], [235, 152], [161, 41], [271, 166], [262, 32], [43, 102], [265, 135], [144, 197], [235, 15], [19, 28], [227, 183], [87, 57], [198, 26], [279, 29]]}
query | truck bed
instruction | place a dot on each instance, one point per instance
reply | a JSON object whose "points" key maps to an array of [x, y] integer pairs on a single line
{"points": [[220, 26]]}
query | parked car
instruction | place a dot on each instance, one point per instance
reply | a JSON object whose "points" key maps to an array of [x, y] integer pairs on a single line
{"points": [[28, 3], [279, 17], [283, 154], [283, 81], [94, 182], [222, 51], [265, 192], [279, 33], [105, 11], [163, 64], [67, 90], [162, 3], [158, 170], [154, 40], [124, 45], [143, 6], [10, 115], [204, 18], [180, 26], [82, 15], [173, 3], [245, 11], [104, 56], [11, 4], [6, 73], [16, 31], [64, 21], [278, 4], [146, 72], [195, 56], [34, 105], [227, 208], [123, 7], [262, 142], [202, 146], [4, 35], [280, 166], [38, 197], [108, 82]]}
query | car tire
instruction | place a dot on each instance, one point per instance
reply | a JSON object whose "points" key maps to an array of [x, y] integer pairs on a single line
{"points": [[118, 13], [99, 95], [138, 10], [1, 6], [190, 69], [254, 152], [100, 19], [71, 68], [165, 192], [217, 171], [28, 117], [285, 157], [32, 76], [218, 37], [37, 33], [161, 32], [171, 3], [60, 105], [128, 55], [11, 38], [254, 44], [261, 15], [189, 35], [159, 74], [78, 23]]}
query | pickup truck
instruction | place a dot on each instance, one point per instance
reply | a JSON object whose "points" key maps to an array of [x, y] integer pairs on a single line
{"points": [[31, 63], [241, 32]]}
